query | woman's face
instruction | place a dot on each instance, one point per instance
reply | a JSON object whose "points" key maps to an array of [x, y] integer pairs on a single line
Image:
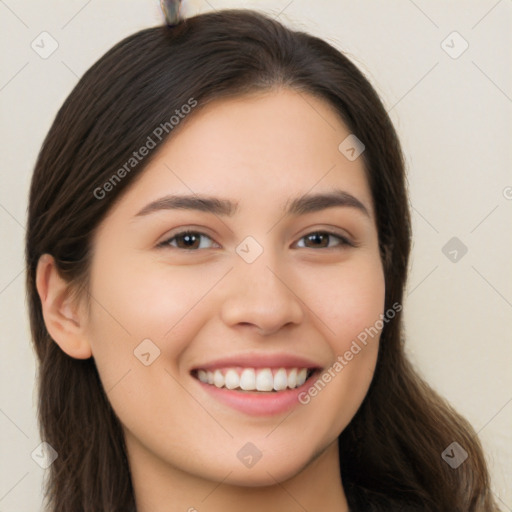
{"points": [[257, 290]]}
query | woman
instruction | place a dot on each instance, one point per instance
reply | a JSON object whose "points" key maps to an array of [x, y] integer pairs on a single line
{"points": [[257, 369]]}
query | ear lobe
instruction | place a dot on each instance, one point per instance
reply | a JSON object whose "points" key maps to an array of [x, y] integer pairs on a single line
{"points": [[63, 319]]}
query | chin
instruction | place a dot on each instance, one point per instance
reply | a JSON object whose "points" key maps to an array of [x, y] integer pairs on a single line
{"points": [[266, 474]]}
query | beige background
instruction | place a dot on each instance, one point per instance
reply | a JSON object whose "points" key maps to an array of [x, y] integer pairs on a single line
{"points": [[454, 119]]}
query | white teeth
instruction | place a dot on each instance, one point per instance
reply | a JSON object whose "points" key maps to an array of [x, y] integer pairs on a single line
{"points": [[251, 379], [280, 380], [232, 379], [264, 380], [218, 379], [301, 377], [248, 380], [292, 379]]}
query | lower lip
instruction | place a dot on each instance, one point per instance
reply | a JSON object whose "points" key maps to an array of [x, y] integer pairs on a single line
{"points": [[260, 403]]}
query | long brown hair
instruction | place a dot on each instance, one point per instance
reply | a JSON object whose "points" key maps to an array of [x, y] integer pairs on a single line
{"points": [[390, 453]]}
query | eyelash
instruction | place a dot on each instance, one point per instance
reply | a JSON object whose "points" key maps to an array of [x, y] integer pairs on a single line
{"points": [[344, 242]]}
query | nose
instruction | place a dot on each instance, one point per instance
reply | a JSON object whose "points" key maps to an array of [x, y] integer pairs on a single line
{"points": [[262, 295]]}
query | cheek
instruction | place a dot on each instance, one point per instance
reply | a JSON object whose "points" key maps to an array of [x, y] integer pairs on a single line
{"points": [[347, 298], [136, 301], [348, 302]]}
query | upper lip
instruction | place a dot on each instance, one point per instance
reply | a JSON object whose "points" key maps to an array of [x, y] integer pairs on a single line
{"points": [[259, 361]]}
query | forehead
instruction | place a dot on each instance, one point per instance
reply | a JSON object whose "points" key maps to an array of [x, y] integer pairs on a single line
{"points": [[260, 149]]}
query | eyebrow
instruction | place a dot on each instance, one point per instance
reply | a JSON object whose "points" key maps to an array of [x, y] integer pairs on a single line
{"points": [[301, 205]]}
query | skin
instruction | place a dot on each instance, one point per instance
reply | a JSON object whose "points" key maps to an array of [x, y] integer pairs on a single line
{"points": [[197, 305]]}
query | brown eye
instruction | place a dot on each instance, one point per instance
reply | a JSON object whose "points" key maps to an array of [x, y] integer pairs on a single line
{"points": [[320, 239], [187, 240]]}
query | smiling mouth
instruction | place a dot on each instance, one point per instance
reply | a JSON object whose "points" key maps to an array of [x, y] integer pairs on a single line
{"points": [[264, 380]]}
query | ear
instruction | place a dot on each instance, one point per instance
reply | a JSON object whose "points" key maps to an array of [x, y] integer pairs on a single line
{"points": [[64, 320]]}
